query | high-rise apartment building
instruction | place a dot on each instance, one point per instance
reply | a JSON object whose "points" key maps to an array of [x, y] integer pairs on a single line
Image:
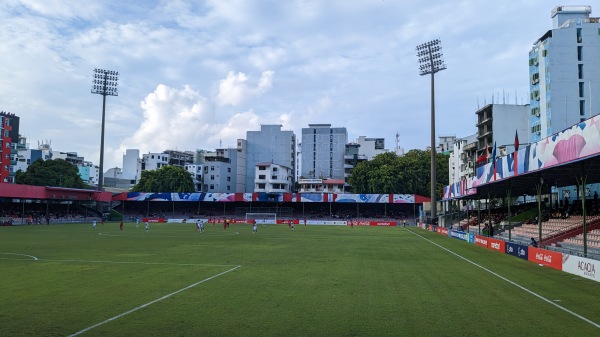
{"points": [[323, 149], [498, 124], [222, 171], [564, 72], [9, 137], [269, 145]]}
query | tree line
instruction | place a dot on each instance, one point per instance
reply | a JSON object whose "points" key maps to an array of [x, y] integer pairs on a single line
{"points": [[390, 173], [386, 173]]}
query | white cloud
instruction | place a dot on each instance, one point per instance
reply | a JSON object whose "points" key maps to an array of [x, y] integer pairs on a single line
{"points": [[184, 119], [236, 88], [173, 118]]}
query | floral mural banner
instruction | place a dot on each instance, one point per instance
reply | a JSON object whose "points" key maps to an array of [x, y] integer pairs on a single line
{"points": [[578, 142]]}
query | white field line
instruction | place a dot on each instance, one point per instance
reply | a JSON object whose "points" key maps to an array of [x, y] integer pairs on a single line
{"points": [[151, 302], [31, 256], [512, 282], [142, 263], [111, 262], [167, 236]]}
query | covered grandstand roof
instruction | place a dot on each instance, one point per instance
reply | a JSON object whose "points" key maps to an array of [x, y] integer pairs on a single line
{"points": [[563, 159], [17, 191]]}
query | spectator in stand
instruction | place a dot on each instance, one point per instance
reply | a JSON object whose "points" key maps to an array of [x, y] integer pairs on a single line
{"points": [[533, 243]]}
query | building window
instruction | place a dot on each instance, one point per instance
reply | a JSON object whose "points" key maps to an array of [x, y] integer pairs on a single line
{"points": [[579, 53], [580, 71], [581, 89], [212, 177], [212, 187], [229, 169], [261, 186], [262, 177], [582, 108], [212, 168], [274, 177], [228, 178], [228, 187], [274, 169]]}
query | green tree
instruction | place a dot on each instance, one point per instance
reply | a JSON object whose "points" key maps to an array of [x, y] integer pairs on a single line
{"points": [[167, 179], [56, 172], [389, 173]]}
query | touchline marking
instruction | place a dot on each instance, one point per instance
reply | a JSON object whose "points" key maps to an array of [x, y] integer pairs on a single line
{"points": [[142, 263], [511, 282], [31, 256], [164, 236], [152, 302]]}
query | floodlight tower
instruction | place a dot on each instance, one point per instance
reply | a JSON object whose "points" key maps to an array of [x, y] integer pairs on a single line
{"points": [[104, 83], [430, 62]]}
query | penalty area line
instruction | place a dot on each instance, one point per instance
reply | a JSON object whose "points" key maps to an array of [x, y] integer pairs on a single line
{"points": [[511, 282], [151, 302]]}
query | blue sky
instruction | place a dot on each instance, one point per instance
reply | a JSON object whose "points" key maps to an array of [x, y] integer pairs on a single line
{"points": [[199, 74]]}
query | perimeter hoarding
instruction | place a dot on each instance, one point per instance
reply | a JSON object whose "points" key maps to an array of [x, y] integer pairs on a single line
{"points": [[468, 237], [581, 266], [517, 250], [546, 257]]}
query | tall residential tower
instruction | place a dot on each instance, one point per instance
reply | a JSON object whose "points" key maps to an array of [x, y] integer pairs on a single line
{"points": [[323, 149], [564, 72]]}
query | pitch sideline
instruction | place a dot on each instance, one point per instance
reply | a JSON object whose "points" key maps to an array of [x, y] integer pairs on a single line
{"points": [[511, 282]]}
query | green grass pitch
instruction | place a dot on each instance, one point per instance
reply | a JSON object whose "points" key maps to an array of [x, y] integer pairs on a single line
{"points": [[315, 281]]}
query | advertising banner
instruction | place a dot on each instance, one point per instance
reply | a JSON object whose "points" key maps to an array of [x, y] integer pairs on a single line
{"points": [[382, 223], [481, 241], [545, 257], [497, 245], [514, 249], [337, 223], [153, 220], [471, 238], [581, 266], [460, 235]]}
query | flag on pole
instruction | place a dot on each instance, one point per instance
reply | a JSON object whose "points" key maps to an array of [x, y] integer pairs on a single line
{"points": [[516, 153], [494, 160], [494, 156], [483, 158]]}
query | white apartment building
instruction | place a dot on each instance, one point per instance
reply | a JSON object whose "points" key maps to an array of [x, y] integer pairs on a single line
{"points": [[225, 171], [270, 177], [462, 159], [270, 144], [131, 157], [195, 171], [370, 147]]}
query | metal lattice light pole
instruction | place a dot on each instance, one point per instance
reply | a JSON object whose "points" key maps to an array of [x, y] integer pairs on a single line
{"points": [[104, 83], [430, 62]]}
